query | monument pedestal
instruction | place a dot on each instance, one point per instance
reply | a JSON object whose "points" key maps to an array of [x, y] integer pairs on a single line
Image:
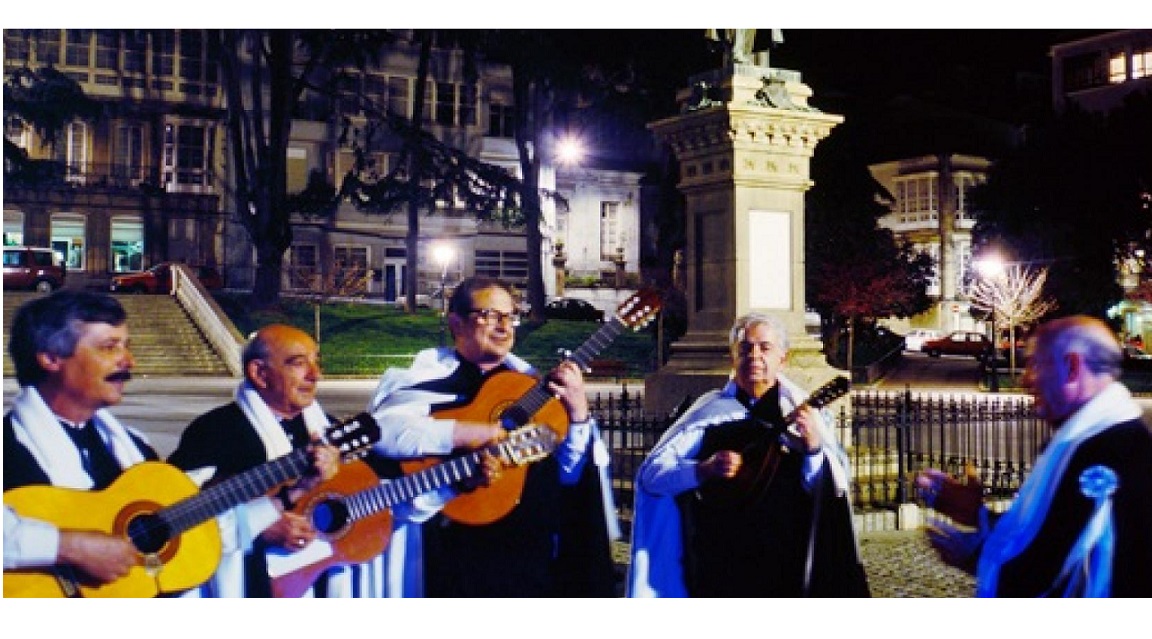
{"points": [[744, 140]]}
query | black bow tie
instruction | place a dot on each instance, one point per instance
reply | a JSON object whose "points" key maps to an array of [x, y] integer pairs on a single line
{"points": [[98, 461], [296, 430]]}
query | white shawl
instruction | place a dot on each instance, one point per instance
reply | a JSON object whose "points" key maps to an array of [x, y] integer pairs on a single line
{"points": [[657, 569], [240, 526], [1018, 527], [40, 430]]}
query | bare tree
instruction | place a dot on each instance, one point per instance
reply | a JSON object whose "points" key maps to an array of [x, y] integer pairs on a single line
{"points": [[339, 280], [1013, 298]]}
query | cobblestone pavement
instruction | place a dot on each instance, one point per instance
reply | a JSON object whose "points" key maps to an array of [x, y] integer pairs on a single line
{"points": [[899, 565]]}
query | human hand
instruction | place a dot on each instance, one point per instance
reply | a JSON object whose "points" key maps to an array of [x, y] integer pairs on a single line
{"points": [[325, 462], [957, 547], [566, 383], [808, 421], [959, 501], [474, 434], [487, 472], [723, 464], [291, 531], [100, 556]]}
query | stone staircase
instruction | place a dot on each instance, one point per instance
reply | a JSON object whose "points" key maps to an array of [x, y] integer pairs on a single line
{"points": [[165, 340]]}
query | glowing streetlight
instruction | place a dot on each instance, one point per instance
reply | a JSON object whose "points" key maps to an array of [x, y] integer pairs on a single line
{"points": [[443, 254], [569, 151]]}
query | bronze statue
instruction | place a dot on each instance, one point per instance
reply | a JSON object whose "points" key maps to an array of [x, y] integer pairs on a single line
{"points": [[740, 45]]}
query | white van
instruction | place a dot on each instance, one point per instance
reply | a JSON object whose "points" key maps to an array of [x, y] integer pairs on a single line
{"points": [[914, 340]]}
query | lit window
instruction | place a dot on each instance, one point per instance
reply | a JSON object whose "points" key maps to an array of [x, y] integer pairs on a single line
{"points": [[609, 230], [67, 238], [13, 228], [127, 247], [1117, 68], [1142, 63]]}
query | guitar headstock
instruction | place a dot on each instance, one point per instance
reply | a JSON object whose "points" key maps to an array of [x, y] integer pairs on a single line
{"points": [[527, 444], [830, 392], [639, 308], [354, 436]]}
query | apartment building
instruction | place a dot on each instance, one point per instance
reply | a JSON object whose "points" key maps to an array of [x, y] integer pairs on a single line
{"points": [[1096, 74], [139, 185], [148, 181], [931, 210]]}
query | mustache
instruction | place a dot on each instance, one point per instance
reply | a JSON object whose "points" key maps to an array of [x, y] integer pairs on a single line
{"points": [[119, 376]]}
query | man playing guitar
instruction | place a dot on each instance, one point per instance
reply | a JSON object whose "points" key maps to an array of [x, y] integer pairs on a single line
{"points": [[72, 360], [555, 539]]}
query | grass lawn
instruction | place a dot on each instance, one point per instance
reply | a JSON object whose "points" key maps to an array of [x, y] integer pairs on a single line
{"points": [[365, 339]]}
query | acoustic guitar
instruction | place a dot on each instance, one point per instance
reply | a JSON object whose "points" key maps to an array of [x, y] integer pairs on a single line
{"points": [[162, 512], [496, 403], [352, 511], [761, 459]]}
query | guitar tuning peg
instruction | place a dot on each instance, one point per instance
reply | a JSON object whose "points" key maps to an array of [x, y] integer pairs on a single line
{"points": [[564, 353]]}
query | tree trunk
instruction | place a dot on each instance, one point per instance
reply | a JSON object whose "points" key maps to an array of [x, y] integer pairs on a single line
{"points": [[415, 173]]}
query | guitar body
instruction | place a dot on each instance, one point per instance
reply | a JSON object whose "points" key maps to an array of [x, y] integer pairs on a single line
{"points": [[353, 541], [762, 448], [183, 562], [500, 392], [760, 454]]}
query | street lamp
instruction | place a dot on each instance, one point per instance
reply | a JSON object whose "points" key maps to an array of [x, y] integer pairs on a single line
{"points": [[443, 254], [569, 151], [991, 267]]}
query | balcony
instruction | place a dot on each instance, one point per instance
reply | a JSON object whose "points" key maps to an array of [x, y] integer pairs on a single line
{"points": [[106, 178]]}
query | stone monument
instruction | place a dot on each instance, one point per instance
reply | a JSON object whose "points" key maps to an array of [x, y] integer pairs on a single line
{"points": [[744, 139]]}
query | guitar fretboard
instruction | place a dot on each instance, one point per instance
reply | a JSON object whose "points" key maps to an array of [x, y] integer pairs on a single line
{"points": [[404, 489], [521, 412], [234, 491]]}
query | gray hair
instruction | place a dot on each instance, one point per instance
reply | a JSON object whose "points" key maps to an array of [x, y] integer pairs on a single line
{"points": [[750, 320], [52, 325]]}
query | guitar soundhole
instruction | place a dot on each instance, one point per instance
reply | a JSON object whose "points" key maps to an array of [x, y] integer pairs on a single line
{"points": [[149, 533], [329, 516], [515, 417]]}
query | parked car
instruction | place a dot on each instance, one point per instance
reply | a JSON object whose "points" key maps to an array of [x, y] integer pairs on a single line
{"points": [[1136, 359], [914, 340], [568, 308], [966, 343], [158, 279], [33, 269]]}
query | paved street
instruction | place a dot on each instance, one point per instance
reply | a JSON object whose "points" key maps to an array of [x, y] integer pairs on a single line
{"points": [[899, 565]]}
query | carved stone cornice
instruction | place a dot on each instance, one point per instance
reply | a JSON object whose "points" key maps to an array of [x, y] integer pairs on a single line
{"points": [[745, 142]]}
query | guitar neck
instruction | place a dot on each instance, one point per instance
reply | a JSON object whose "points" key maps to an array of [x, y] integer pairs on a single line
{"points": [[404, 489], [522, 411], [234, 491]]}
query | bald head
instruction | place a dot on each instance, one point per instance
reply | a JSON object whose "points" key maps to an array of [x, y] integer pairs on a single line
{"points": [[283, 365], [1088, 336], [1070, 361]]}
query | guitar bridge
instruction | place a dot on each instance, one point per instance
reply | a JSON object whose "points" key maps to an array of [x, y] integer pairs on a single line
{"points": [[153, 564]]}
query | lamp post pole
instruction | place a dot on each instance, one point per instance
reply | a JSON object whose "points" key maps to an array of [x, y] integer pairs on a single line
{"points": [[992, 267], [443, 254], [994, 382]]}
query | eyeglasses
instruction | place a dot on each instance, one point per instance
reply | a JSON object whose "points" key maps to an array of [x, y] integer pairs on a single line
{"points": [[492, 317]]}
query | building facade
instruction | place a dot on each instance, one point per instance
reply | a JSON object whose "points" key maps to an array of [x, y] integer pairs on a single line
{"points": [[134, 187], [149, 181], [931, 210], [1097, 74]]}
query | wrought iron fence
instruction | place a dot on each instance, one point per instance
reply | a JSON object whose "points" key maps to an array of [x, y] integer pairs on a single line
{"points": [[889, 436]]}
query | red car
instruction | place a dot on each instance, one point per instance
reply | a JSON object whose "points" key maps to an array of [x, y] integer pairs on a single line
{"points": [[967, 343], [158, 279]]}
